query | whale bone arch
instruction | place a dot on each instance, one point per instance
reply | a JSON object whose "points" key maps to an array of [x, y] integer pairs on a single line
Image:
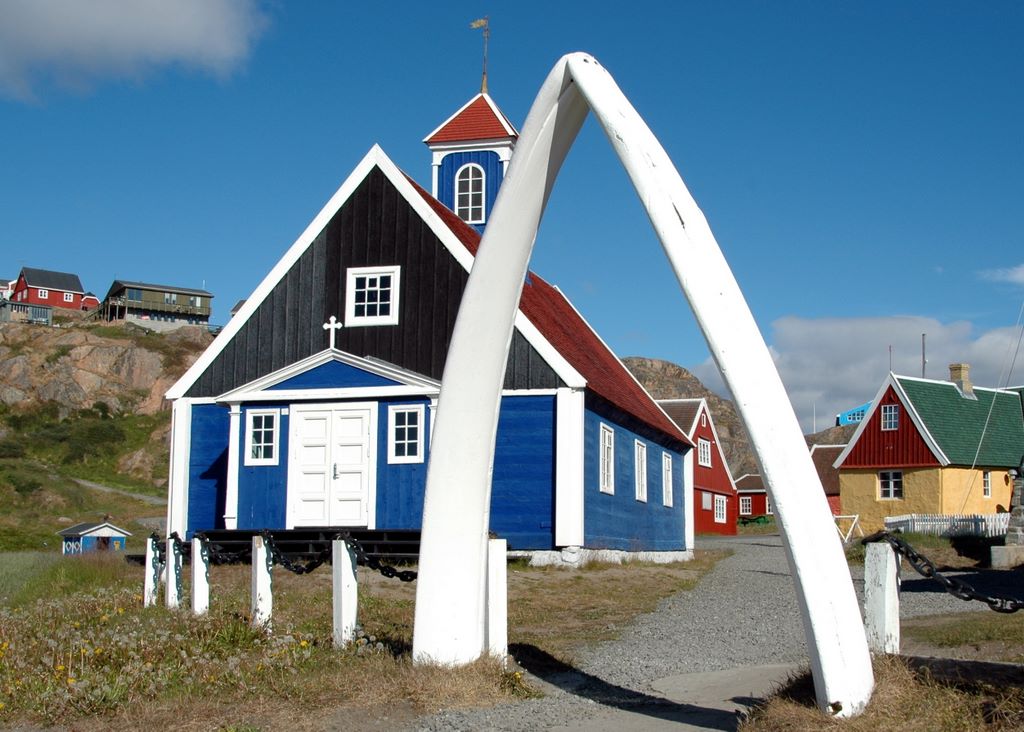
{"points": [[450, 597]]}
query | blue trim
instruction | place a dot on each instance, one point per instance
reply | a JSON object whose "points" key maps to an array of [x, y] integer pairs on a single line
{"points": [[262, 489], [333, 375], [620, 521], [207, 467]]}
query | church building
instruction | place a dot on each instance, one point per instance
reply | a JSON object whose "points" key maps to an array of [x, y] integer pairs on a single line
{"points": [[313, 407]]}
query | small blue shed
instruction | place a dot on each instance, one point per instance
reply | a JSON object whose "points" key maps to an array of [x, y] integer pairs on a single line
{"points": [[92, 537]]}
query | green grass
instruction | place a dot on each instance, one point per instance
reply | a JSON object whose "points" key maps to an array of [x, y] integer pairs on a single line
{"points": [[20, 571], [974, 628]]}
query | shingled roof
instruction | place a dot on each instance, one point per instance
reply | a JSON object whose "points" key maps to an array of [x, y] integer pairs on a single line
{"points": [[478, 119], [683, 412], [50, 280]]}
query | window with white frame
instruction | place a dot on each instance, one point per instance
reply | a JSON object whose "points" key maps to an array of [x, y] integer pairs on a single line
{"points": [[405, 433], [704, 452], [640, 469], [720, 508], [69, 297], [469, 194], [746, 505], [986, 484], [890, 417], [607, 460], [666, 479], [261, 430], [890, 484], [371, 296], [170, 298], [768, 505], [44, 294]]}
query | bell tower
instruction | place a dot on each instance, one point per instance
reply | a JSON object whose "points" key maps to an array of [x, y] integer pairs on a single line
{"points": [[471, 150]]}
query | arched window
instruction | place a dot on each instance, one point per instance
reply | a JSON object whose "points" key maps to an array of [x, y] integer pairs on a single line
{"points": [[469, 194]]}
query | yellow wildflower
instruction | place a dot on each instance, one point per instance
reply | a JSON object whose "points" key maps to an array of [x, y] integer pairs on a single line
{"points": [[303, 643]]}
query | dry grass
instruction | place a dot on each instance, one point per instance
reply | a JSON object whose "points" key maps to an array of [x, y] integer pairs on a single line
{"points": [[97, 660], [904, 699]]}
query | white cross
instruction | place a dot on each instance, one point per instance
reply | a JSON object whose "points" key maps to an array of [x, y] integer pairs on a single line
{"points": [[332, 325]]}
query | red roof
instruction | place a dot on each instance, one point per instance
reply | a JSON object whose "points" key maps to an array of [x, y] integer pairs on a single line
{"points": [[479, 119], [553, 315]]}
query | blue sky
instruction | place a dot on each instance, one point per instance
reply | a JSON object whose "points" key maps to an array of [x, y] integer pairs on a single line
{"points": [[861, 164]]}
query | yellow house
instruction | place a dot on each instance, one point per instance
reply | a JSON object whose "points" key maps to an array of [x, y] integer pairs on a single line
{"points": [[932, 447]]}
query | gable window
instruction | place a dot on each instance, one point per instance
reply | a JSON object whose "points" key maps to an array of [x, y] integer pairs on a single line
{"points": [[640, 469], [69, 297], [720, 507], [261, 437], [986, 484], [469, 194], [890, 484], [44, 294], [890, 417], [607, 460], [666, 479], [371, 296], [704, 452], [405, 433], [746, 505]]}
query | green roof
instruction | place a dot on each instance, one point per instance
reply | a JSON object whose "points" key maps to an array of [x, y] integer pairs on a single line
{"points": [[957, 423]]}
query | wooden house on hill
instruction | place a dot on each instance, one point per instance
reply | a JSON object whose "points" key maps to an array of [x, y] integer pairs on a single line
{"points": [[313, 407], [88, 537], [932, 447], [715, 501], [53, 289], [157, 307]]}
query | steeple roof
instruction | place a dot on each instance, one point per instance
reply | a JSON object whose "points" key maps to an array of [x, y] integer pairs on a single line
{"points": [[478, 119]]}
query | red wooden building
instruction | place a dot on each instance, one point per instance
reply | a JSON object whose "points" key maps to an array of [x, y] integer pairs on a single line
{"points": [[56, 289], [715, 505], [753, 496]]}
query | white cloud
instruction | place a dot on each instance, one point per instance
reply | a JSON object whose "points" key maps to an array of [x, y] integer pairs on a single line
{"points": [[830, 365], [77, 43], [1014, 275]]}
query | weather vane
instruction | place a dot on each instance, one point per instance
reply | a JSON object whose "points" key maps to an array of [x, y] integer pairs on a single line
{"points": [[485, 24]]}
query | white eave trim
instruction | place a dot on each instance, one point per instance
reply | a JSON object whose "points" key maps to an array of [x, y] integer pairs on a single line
{"points": [[345, 393]]}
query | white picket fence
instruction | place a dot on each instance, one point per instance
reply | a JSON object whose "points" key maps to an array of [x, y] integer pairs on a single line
{"points": [[988, 525]]}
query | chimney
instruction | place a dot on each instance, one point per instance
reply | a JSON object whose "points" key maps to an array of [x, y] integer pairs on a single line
{"points": [[959, 374]]}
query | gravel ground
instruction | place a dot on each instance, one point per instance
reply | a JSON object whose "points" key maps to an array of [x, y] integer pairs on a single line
{"points": [[743, 613]]}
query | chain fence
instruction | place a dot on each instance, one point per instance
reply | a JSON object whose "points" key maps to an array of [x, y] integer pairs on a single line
{"points": [[954, 586]]}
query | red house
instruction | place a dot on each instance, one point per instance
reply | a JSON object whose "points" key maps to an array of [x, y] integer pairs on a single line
{"points": [[715, 507], [753, 496], [56, 289], [824, 457]]}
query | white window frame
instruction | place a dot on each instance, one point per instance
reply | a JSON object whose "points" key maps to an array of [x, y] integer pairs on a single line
{"points": [[606, 460], [393, 411], [640, 470], [768, 505], [468, 212], [704, 452], [69, 297], [721, 509], [275, 443], [43, 294], [351, 319], [887, 487], [986, 483], [666, 479], [890, 417], [746, 505]]}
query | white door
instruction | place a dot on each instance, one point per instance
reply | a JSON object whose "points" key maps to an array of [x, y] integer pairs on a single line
{"points": [[331, 466]]}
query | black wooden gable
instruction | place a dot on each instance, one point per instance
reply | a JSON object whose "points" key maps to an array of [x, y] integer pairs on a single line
{"points": [[376, 226]]}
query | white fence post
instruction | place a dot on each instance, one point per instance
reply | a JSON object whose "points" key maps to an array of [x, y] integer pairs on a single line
{"points": [[346, 592], [262, 589], [497, 598], [881, 598], [200, 577], [151, 582], [172, 593]]}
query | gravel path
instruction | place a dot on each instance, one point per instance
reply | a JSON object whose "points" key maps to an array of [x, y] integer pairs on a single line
{"points": [[743, 613]]}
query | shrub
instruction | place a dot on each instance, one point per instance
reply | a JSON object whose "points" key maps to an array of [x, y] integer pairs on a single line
{"points": [[11, 448]]}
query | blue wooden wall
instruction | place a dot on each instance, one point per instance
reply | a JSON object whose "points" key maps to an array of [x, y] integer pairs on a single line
{"points": [[333, 375], [207, 467], [400, 486], [262, 498], [493, 172], [620, 521]]}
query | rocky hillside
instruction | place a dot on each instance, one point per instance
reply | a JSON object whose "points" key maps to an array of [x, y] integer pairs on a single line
{"points": [[666, 380], [79, 365]]}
